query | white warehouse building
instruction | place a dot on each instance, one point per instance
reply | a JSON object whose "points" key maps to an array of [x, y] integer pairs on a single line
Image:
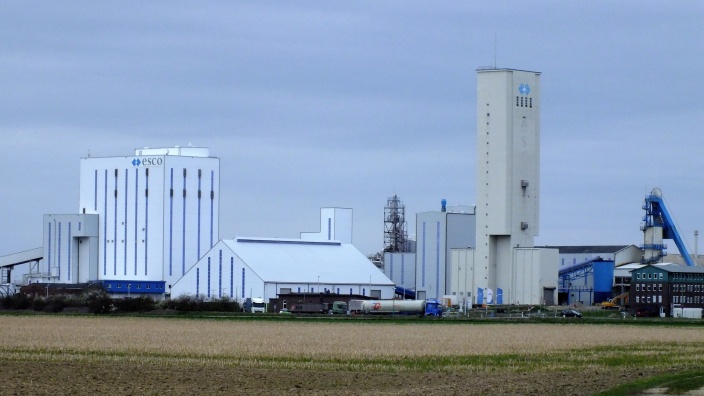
{"points": [[241, 268]]}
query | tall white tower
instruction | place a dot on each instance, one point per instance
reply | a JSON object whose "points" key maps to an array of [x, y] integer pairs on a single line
{"points": [[508, 171], [158, 212]]}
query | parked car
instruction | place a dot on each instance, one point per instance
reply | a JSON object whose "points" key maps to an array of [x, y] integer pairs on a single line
{"points": [[571, 313]]}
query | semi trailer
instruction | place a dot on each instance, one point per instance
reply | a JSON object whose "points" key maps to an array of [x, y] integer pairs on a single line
{"points": [[429, 307]]}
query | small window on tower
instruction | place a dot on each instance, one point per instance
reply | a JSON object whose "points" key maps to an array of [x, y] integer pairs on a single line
{"points": [[516, 101], [531, 103]]}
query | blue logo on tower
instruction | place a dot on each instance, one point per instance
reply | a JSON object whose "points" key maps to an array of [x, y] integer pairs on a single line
{"points": [[136, 162], [524, 89]]}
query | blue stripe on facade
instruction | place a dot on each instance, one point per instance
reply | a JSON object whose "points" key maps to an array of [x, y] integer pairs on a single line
{"points": [[95, 192], [58, 253], [199, 202], [208, 277], [105, 227], [136, 210], [48, 261], [171, 223], [437, 261], [68, 250], [423, 258], [220, 276], [403, 267], [242, 282], [329, 228], [232, 277], [114, 233], [146, 220], [212, 199], [391, 266], [197, 281], [125, 234], [183, 229]]}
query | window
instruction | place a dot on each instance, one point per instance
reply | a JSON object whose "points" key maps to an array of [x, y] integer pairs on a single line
{"points": [[637, 286], [660, 287], [660, 275], [648, 299], [648, 286], [649, 274], [637, 299], [660, 298], [638, 276]]}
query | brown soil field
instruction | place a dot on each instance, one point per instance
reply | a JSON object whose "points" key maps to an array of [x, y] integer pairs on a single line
{"points": [[100, 355]]}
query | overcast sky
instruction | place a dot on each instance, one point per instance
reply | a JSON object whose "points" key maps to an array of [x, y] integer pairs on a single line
{"points": [[346, 103]]}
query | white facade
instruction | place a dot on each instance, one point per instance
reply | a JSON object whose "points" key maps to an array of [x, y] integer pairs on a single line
{"points": [[70, 249], [508, 178], [437, 233], [335, 225], [257, 267], [159, 211], [401, 269]]}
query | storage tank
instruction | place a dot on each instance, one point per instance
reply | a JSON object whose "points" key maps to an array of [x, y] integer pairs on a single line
{"points": [[393, 306]]}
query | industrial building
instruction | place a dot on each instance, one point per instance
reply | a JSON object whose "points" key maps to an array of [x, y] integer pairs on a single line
{"points": [[149, 225], [438, 232], [264, 268], [666, 289]]}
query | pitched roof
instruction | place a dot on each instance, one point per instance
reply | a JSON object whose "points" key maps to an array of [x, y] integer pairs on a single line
{"points": [[299, 261]]}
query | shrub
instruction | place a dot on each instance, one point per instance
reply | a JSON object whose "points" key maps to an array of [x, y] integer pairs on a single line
{"points": [[134, 304]]}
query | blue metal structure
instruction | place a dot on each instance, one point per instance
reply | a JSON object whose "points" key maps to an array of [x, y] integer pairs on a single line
{"points": [[594, 277], [406, 293], [657, 215]]}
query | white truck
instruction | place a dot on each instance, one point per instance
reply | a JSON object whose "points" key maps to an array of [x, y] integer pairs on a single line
{"points": [[255, 305]]}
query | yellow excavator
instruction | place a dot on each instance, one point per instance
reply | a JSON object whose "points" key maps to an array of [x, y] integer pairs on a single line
{"points": [[616, 302]]}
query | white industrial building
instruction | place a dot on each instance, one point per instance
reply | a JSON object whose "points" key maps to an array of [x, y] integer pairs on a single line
{"points": [[335, 225], [264, 268], [437, 233], [143, 221], [148, 224]]}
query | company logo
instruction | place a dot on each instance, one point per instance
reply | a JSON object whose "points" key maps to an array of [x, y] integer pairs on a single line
{"points": [[148, 161], [524, 89]]}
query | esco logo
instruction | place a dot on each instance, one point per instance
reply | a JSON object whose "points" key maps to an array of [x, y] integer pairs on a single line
{"points": [[148, 161]]}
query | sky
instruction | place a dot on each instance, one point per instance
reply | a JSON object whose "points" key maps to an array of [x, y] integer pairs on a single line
{"points": [[312, 104]]}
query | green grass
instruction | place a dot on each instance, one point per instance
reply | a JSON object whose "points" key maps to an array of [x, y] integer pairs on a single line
{"points": [[660, 356], [674, 384]]}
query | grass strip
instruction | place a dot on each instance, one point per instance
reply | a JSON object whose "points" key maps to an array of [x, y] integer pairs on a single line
{"points": [[683, 356], [672, 384]]}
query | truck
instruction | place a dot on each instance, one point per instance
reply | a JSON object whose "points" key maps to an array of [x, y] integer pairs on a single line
{"points": [[336, 307], [254, 305], [430, 307]]}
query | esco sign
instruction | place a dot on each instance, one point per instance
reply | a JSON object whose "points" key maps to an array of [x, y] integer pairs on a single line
{"points": [[148, 161]]}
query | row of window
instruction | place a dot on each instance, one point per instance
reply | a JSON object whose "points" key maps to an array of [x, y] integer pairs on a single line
{"points": [[675, 299], [647, 299], [688, 300], [129, 286], [646, 287], [687, 288], [677, 276], [654, 276], [528, 102], [688, 276]]}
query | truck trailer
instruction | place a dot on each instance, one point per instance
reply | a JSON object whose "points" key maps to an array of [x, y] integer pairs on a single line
{"points": [[430, 307]]}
